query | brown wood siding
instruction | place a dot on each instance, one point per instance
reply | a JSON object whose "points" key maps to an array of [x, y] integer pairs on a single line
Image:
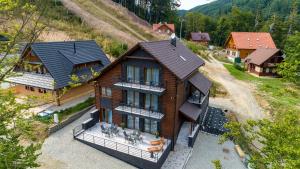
{"points": [[107, 80], [245, 52]]}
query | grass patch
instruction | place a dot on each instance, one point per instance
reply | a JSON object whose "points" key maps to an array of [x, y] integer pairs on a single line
{"points": [[281, 95], [217, 90], [199, 49], [63, 114]]}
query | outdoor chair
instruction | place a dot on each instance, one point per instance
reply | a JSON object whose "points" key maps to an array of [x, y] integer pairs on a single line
{"points": [[105, 131]]}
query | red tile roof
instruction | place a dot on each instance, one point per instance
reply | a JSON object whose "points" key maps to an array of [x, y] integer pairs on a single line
{"points": [[259, 56], [157, 26], [252, 40]]}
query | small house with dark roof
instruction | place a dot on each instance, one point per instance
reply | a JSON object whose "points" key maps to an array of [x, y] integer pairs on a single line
{"points": [[155, 88], [164, 28], [49, 67], [242, 44], [263, 62], [200, 37]]}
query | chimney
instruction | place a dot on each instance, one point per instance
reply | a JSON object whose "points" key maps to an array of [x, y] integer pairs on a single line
{"points": [[173, 39], [74, 48]]}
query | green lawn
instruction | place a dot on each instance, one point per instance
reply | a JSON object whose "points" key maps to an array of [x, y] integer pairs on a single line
{"points": [[281, 95]]}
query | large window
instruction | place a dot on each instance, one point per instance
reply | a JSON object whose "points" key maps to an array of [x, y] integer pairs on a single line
{"points": [[133, 98], [106, 115], [152, 76], [106, 91], [133, 122], [151, 102], [133, 74], [150, 126]]}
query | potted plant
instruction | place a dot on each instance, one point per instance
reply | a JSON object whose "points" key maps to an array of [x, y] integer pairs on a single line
{"points": [[122, 125]]}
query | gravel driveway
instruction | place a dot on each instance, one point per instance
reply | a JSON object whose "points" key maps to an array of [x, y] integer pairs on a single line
{"points": [[60, 151], [241, 99], [206, 149]]}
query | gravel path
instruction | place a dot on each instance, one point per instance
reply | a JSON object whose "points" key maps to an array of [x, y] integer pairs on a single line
{"points": [[241, 99], [206, 149], [60, 151]]}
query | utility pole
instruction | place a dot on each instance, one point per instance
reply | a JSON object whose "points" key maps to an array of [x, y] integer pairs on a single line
{"points": [[181, 21]]}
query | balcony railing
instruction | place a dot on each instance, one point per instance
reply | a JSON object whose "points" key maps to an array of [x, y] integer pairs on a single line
{"points": [[153, 87], [196, 99], [138, 111]]}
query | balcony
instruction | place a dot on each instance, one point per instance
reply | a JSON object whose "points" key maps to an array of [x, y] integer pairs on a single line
{"points": [[136, 153], [137, 111], [45, 81], [197, 99], [141, 86]]}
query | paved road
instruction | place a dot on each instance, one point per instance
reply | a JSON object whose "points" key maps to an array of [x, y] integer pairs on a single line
{"points": [[241, 99], [207, 149], [60, 151]]}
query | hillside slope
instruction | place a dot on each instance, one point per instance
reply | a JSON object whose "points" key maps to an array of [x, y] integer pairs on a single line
{"points": [[111, 21], [268, 7]]}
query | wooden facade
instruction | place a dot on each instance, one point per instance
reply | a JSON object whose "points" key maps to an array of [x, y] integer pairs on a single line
{"points": [[175, 94]]}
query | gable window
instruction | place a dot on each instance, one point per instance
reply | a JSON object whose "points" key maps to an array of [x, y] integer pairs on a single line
{"points": [[106, 92]]}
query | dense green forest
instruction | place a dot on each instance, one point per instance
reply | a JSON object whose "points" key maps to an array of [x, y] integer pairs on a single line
{"points": [[267, 7], [153, 11]]}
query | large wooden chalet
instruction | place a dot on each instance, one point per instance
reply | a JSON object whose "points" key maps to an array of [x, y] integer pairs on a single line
{"points": [[154, 87], [242, 44], [47, 68]]}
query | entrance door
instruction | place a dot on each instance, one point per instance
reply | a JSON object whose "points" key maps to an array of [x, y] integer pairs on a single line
{"points": [[106, 115]]}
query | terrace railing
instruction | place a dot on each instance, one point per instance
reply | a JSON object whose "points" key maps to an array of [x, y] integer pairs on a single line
{"points": [[152, 86], [135, 110], [130, 150]]}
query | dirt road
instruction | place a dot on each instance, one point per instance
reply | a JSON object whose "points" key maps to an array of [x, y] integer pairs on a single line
{"points": [[98, 24], [241, 99]]}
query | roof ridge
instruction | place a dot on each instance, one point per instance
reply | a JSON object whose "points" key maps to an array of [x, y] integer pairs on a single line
{"points": [[91, 40]]}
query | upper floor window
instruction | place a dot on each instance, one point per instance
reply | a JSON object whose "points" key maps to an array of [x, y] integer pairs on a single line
{"points": [[106, 91], [133, 74], [152, 76]]}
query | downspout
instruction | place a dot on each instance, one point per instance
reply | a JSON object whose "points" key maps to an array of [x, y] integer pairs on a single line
{"points": [[175, 115]]}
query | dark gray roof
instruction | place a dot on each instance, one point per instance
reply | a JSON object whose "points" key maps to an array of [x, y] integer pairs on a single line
{"points": [[59, 60], [190, 110], [200, 36], [201, 82], [179, 60]]}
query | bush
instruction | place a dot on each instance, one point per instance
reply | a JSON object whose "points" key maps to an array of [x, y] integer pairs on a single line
{"points": [[238, 67], [63, 113]]}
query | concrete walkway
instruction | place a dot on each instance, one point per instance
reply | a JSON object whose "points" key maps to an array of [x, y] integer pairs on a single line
{"points": [[206, 149], [178, 158], [61, 151]]}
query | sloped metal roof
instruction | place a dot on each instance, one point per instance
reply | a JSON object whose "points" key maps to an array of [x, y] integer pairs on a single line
{"points": [[61, 65], [33, 79], [259, 56], [201, 82], [200, 36], [178, 59], [190, 110]]}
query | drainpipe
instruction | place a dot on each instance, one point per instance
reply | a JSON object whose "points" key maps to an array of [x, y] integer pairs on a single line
{"points": [[174, 140]]}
